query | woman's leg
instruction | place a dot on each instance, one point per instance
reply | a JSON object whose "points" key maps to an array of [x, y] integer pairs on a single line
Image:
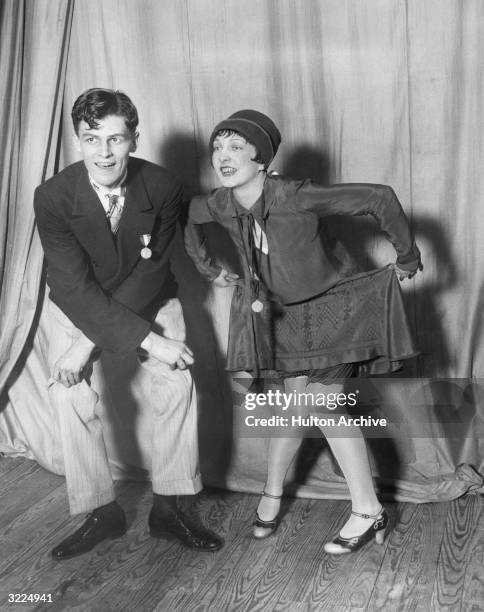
{"points": [[280, 456], [352, 456]]}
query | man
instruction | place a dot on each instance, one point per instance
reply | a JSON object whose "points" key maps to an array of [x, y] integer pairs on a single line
{"points": [[107, 225]]}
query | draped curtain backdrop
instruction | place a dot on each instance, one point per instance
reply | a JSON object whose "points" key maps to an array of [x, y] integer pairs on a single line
{"points": [[383, 91]]}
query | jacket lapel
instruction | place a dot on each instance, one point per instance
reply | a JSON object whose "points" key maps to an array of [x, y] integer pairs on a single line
{"points": [[90, 225], [137, 220]]}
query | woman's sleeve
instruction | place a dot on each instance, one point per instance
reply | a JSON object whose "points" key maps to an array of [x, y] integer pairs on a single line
{"points": [[354, 199], [195, 241]]}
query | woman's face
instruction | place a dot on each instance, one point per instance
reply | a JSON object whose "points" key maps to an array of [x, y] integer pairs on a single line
{"points": [[232, 159]]}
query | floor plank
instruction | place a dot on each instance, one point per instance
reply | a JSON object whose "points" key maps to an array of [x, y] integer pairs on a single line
{"points": [[10, 463], [258, 575], [24, 482], [331, 581], [408, 570], [187, 569], [432, 558], [462, 540]]}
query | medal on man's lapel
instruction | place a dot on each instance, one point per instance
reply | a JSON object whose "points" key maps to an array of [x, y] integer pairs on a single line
{"points": [[145, 251]]}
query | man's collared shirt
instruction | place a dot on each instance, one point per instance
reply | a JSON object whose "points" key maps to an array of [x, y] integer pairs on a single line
{"points": [[112, 201], [103, 193]]}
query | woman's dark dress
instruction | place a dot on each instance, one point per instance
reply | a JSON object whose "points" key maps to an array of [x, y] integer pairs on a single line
{"points": [[317, 312]]}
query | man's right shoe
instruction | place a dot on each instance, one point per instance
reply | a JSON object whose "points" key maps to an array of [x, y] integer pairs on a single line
{"points": [[174, 524], [105, 522]]}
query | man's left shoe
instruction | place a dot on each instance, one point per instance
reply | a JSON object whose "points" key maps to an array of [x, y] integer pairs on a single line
{"points": [[174, 524]]}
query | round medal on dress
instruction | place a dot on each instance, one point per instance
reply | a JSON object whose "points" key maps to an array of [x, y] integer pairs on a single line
{"points": [[146, 253], [257, 306]]}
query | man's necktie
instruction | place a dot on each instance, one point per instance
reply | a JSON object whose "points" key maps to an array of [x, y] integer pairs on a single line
{"points": [[115, 211]]}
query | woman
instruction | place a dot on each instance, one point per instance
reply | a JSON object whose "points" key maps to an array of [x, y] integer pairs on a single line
{"points": [[291, 270]]}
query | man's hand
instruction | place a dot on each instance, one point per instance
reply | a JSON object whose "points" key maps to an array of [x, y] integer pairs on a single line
{"points": [[226, 279], [173, 352], [68, 369]]}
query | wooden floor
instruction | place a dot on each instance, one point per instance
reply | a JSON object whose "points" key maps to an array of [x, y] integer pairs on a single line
{"points": [[433, 559]]}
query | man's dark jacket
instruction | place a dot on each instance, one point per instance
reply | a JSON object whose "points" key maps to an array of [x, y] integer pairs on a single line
{"points": [[99, 280]]}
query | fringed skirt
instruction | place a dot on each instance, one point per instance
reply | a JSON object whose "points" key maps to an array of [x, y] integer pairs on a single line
{"points": [[361, 320]]}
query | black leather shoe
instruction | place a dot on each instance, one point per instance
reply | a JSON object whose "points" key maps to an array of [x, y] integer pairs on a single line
{"points": [[176, 525], [105, 522]]}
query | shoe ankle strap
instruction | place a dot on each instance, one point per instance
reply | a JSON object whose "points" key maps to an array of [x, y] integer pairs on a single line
{"points": [[368, 516], [271, 496]]}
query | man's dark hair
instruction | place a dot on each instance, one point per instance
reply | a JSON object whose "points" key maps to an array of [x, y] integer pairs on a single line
{"points": [[96, 103]]}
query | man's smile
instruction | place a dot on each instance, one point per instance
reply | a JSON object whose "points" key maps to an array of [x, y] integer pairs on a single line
{"points": [[104, 165]]}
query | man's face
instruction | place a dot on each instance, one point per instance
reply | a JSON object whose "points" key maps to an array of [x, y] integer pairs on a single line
{"points": [[105, 149]]}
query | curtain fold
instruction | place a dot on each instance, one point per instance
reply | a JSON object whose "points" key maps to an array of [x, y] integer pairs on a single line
{"points": [[11, 63], [446, 92], [383, 91], [35, 39]]}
